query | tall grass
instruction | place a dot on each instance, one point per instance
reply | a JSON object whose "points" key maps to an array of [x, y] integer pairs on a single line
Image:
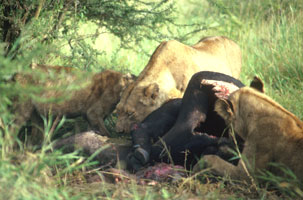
{"points": [[270, 34], [28, 175]]}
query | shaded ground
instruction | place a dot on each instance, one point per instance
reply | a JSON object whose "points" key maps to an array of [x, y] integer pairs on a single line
{"points": [[162, 181], [186, 188]]}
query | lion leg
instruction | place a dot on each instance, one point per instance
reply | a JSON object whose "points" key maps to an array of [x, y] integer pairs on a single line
{"points": [[22, 113], [241, 171], [38, 131], [37, 135], [220, 167], [96, 119]]}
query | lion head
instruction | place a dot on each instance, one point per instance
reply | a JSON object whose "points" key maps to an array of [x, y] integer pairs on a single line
{"points": [[137, 103]]}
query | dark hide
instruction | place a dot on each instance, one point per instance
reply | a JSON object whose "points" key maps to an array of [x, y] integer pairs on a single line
{"points": [[154, 126], [199, 145], [178, 124]]}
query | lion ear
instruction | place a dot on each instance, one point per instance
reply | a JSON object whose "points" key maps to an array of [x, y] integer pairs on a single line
{"points": [[151, 90], [129, 77], [257, 84], [225, 109]]}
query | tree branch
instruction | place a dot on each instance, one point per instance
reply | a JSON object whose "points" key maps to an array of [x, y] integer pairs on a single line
{"points": [[39, 8]]}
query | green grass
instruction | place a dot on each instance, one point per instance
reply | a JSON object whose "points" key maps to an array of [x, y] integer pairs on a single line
{"points": [[270, 34]]}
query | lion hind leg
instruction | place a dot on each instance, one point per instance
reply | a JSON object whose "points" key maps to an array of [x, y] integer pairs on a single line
{"points": [[22, 112], [37, 133]]}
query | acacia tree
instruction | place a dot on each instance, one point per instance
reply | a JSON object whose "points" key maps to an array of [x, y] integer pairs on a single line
{"points": [[129, 20], [26, 24]]}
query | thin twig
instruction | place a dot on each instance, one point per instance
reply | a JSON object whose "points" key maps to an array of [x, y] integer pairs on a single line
{"points": [[54, 125], [167, 151], [241, 159]]}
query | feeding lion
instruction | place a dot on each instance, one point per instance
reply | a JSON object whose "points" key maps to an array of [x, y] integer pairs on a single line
{"points": [[271, 134], [168, 72]]}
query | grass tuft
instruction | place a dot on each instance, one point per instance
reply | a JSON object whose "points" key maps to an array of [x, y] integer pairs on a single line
{"points": [[270, 34]]}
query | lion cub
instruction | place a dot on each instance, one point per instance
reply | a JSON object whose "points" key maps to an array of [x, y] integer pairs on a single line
{"points": [[94, 97], [271, 134]]}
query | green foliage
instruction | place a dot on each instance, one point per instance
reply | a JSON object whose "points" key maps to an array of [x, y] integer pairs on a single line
{"points": [[270, 36], [288, 184], [98, 34], [259, 11], [58, 24], [28, 175]]}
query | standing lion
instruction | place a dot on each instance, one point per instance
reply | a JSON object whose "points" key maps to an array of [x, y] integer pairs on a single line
{"points": [[168, 72]]}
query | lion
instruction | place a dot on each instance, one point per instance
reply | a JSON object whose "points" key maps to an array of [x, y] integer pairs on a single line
{"points": [[94, 97], [52, 68], [271, 134], [168, 72]]}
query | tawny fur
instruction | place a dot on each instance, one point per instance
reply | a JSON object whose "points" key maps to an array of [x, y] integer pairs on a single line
{"points": [[168, 72], [271, 133], [94, 98], [51, 68]]}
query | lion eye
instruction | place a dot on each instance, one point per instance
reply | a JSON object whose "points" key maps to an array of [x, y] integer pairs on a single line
{"points": [[131, 113], [153, 96]]}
